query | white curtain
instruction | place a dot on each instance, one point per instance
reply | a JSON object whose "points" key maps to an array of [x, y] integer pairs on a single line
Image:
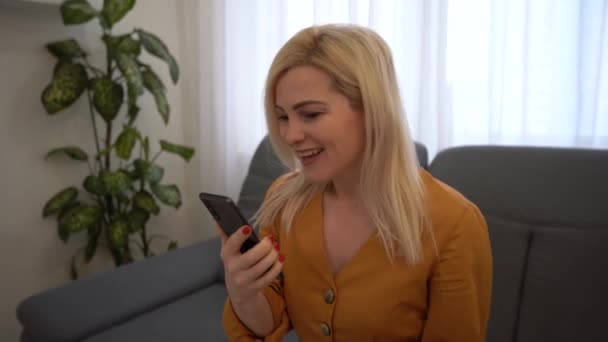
{"points": [[529, 72], [471, 72]]}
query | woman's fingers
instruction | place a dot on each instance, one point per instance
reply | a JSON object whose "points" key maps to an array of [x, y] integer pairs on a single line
{"points": [[257, 253], [262, 266], [233, 244], [269, 276]]}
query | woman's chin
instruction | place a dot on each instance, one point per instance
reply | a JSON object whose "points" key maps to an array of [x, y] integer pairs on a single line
{"points": [[315, 176]]}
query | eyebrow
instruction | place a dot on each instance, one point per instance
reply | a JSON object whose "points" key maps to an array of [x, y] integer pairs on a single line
{"points": [[302, 104]]}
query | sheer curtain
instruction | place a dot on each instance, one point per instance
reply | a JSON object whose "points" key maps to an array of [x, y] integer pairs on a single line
{"points": [[470, 72], [528, 72]]}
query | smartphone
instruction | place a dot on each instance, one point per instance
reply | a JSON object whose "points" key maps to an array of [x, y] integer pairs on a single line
{"points": [[228, 217]]}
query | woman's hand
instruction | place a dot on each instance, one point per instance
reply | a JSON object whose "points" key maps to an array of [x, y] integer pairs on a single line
{"points": [[247, 274]]}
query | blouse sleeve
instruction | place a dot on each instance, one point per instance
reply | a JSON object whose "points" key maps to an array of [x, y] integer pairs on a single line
{"points": [[237, 331], [461, 283]]}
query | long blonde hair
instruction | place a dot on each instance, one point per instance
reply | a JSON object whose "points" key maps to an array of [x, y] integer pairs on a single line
{"points": [[361, 66]]}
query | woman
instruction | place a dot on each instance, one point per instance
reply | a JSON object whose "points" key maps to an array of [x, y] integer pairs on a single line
{"points": [[370, 246]]}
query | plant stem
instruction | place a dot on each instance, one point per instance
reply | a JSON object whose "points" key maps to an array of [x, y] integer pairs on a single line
{"points": [[115, 253], [156, 156], [108, 144], [107, 164], [108, 57], [94, 123], [144, 240], [106, 220]]}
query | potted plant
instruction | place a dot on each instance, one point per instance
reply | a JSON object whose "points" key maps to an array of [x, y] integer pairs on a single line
{"points": [[123, 186]]}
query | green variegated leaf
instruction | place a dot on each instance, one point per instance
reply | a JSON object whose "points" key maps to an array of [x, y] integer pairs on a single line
{"points": [[93, 185], [107, 97], [69, 82], [122, 44], [172, 245], [133, 111], [73, 152], [137, 219], [167, 194], [153, 80], [132, 100], [59, 201], [183, 151], [145, 201], [130, 70], [119, 232], [125, 142], [91, 248], [114, 10], [156, 47], [115, 182], [63, 233], [128, 45], [155, 86], [79, 217], [77, 12], [65, 49], [152, 173]]}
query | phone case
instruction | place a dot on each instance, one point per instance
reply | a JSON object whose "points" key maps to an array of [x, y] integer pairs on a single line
{"points": [[228, 217]]}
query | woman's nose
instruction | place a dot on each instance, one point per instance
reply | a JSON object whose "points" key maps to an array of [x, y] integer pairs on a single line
{"points": [[294, 133]]}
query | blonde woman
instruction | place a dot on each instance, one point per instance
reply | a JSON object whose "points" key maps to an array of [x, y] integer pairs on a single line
{"points": [[359, 243]]}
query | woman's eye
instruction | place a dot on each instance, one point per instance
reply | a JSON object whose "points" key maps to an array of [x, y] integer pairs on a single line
{"points": [[282, 117], [311, 115]]}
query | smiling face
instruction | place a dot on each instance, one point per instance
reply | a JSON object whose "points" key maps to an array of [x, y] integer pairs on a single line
{"points": [[319, 124]]}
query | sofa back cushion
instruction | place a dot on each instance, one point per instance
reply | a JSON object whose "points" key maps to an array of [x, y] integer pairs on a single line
{"points": [[264, 168], [547, 212]]}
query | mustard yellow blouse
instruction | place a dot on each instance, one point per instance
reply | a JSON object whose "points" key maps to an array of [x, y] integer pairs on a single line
{"points": [[445, 298]]}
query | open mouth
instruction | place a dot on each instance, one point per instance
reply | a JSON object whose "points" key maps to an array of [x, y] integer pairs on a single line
{"points": [[308, 157]]}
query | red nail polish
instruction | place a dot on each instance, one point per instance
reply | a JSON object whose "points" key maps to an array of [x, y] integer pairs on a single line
{"points": [[271, 238], [281, 257], [246, 230], [277, 247]]}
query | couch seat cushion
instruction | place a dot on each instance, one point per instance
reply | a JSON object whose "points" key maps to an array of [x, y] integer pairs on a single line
{"points": [[196, 317]]}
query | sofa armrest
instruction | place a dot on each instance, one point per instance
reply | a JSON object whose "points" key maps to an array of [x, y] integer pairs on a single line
{"points": [[93, 304]]}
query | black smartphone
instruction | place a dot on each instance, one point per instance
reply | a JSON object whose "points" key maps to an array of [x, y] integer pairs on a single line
{"points": [[228, 217]]}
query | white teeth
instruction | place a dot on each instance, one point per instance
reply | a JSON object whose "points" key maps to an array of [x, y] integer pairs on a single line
{"points": [[310, 153]]}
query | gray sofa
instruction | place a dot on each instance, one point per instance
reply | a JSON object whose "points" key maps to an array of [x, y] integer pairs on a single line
{"points": [[547, 211]]}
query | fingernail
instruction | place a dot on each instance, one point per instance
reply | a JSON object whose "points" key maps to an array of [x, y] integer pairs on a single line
{"points": [[281, 257], [246, 230], [271, 238], [277, 247]]}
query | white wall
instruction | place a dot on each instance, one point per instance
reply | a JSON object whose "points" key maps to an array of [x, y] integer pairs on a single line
{"points": [[32, 258]]}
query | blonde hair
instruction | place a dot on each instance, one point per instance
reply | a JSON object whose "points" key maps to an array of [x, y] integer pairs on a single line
{"points": [[361, 66]]}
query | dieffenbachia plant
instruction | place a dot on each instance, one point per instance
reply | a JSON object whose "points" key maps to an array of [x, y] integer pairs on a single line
{"points": [[123, 186]]}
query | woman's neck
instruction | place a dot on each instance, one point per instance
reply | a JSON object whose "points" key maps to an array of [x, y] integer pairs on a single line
{"points": [[346, 188]]}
